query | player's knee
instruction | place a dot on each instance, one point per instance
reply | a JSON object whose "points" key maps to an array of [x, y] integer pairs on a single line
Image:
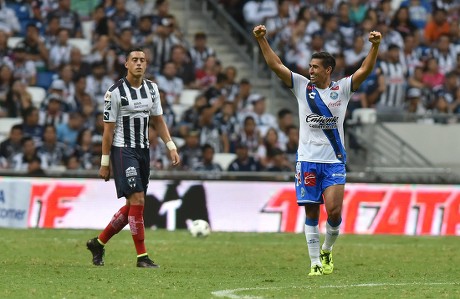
{"points": [[137, 199]]}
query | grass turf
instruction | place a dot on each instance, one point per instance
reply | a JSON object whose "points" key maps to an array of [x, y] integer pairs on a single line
{"points": [[55, 264]]}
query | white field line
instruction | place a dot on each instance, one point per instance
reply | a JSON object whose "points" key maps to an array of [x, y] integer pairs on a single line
{"points": [[232, 292]]}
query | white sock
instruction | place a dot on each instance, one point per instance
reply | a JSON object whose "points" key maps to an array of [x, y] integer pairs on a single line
{"points": [[312, 236], [331, 235]]}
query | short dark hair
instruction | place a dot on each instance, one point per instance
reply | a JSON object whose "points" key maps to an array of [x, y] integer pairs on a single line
{"points": [[326, 58], [16, 127], [137, 49], [283, 112], [207, 146]]}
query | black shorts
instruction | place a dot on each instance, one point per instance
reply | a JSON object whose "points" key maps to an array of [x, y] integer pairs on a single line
{"points": [[131, 170]]}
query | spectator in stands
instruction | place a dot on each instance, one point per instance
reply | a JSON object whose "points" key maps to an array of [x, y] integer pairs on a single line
{"points": [[445, 54], [432, 76], [345, 24], [51, 152], [98, 130], [168, 113], [227, 121], [10, 146], [34, 168], [67, 18], [419, 13], [170, 83], [67, 133], [411, 56], [268, 145], [121, 48], [190, 117], [161, 12], [218, 89], [241, 101], [6, 81], [18, 99], [258, 11], [357, 11], [22, 68], [101, 51], [100, 23], [401, 22], [140, 8], [276, 24], [285, 120], [334, 40], [121, 19], [30, 126], [263, 119], [157, 151], [98, 83], [278, 161], [210, 132], [88, 111], [207, 160], [436, 26], [57, 88], [200, 50], [163, 42], [393, 74], [184, 66], [232, 86], [292, 144], [21, 159], [53, 114], [143, 34], [414, 102], [67, 77], [207, 76], [72, 163], [5, 50], [35, 47], [79, 66], [88, 158], [9, 22], [60, 51], [243, 161], [51, 31], [190, 152], [250, 135], [389, 37], [326, 8], [355, 55]]}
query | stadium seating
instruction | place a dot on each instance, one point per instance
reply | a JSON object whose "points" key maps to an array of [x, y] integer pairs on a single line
{"points": [[364, 116], [5, 126], [38, 94], [224, 159], [178, 110], [81, 43], [87, 29], [178, 141], [44, 79], [13, 41]]}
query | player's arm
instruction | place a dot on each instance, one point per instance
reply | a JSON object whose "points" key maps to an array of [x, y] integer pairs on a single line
{"points": [[369, 62], [107, 138], [163, 132], [273, 61]]}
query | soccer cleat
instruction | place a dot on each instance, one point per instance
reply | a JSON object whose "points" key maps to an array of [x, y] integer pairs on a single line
{"points": [[145, 262], [326, 260], [97, 250], [316, 270]]}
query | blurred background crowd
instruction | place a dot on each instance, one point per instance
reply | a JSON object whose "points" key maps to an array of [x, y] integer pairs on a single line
{"points": [[58, 58]]}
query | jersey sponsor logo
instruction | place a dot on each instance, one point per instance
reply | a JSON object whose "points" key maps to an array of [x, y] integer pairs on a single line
{"points": [[107, 105], [107, 96], [334, 95], [322, 122], [124, 101], [309, 179], [334, 104], [311, 95], [335, 87], [106, 116]]}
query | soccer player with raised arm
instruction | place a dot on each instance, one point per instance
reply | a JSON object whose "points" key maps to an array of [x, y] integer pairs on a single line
{"points": [[320, 168], [128, 106]]}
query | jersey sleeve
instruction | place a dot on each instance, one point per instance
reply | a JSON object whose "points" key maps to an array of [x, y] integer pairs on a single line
{"points": [[156, 107], [299, 84], [345, 85], [111, 106]]}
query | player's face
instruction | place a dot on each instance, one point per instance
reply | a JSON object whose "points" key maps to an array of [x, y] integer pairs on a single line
{"points": [[318, 74], [136, 64]]}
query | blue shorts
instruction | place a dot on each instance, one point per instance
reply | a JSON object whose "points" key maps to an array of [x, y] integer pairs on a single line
{"points": [[131, 170], [311, 179]]}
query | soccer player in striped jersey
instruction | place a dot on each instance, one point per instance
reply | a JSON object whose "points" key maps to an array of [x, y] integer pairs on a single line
{"points": [[320, 167], [128, 106]]}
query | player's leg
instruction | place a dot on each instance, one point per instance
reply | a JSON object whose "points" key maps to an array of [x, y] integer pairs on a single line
{"points": [[312, 238], [308, 193], [333, 193]]}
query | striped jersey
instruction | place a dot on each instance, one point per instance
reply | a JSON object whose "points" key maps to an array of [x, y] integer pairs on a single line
{"points": [[321, 117], [130, 108]]}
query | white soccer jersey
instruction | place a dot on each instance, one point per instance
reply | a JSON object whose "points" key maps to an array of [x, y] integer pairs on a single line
{"points": [[321, 117], [131, 108]]}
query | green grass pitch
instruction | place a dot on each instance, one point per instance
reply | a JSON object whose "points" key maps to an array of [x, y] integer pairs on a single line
{"points": [[55, 264]]}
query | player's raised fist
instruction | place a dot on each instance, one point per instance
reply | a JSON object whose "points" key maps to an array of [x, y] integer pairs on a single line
{"points": [[259, 31], [375, 37]]}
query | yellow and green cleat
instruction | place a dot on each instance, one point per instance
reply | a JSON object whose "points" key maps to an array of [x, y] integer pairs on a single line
{"points": [[316, 270], [326, 260]]}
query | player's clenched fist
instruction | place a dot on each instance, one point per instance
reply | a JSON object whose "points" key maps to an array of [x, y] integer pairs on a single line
{"points": [[375, 37], [259, 31]]}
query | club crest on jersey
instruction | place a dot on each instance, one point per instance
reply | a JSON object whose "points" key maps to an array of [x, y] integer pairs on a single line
{"points": [[131, 174], [334, 95]]}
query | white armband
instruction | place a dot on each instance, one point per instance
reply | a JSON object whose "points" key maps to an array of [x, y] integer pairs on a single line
{"points": [[105, 160], [170, 145]]}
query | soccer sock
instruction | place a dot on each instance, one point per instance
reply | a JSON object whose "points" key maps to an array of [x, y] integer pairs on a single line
{"points": [[332, 232], [136, 225], [119, 220], [312, 236]]}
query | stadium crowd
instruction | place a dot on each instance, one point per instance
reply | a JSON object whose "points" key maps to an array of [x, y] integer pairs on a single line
{"points": [[418, 71]]}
